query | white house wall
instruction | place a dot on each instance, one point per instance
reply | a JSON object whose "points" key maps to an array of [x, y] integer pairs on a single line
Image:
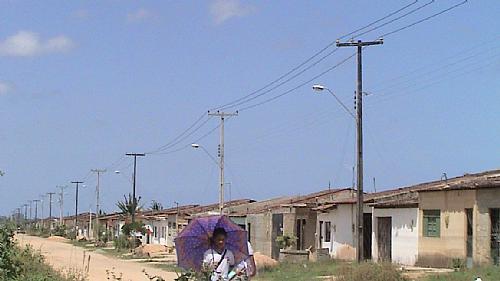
{"points": [[404, 234], [343, 220]]}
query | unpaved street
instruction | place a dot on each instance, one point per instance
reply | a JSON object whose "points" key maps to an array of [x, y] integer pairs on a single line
{"points": [[64, 256]]}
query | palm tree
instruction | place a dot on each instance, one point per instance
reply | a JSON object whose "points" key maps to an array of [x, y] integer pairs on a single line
{"points": [[127, 206], [156, 206]]}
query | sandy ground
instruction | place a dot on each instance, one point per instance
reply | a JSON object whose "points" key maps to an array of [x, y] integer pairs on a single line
{"points": [[64, 256]]}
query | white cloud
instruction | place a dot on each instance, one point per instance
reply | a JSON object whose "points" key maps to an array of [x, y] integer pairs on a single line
{"points": [[139, 15], [223, 10], [5, 88], [27, 44]]}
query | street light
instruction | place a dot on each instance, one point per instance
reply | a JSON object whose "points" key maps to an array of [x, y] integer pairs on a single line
{"points": [[320, 88], [196, 146], [359, 160], [221, 167]]}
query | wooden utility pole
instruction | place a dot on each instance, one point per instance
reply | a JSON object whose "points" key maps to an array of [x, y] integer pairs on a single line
{"points": [[222, 116], [61, 203], [359, 126], [50, 210], [76, 207], [134, 199]]}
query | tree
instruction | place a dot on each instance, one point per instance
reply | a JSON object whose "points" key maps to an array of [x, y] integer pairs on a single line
{"points": [[127, 206], [156, 206]]}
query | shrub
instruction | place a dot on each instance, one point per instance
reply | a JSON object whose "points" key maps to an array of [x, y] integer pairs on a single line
{"points": [[370, 271], [286, 241], [122, 242], [133, 226]]}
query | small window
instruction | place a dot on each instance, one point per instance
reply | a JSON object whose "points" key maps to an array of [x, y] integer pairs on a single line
{"points": [[174, 225], [432, 223], [328, 231]]}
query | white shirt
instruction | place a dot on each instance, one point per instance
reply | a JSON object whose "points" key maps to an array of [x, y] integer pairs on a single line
{"points": [[212, 258], [244, 264]]}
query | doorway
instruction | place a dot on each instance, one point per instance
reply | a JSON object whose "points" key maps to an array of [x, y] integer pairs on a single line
{"points": [[495, 236], [384, 227], [367, 236], [277, 230]]}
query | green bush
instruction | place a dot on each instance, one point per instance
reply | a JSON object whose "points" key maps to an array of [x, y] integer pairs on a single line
{"points": [[370, 271], [286, 241], [18, 264], [122, 242], [133, 226]]}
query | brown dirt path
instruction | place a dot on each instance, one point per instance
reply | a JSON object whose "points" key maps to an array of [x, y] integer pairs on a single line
{"points": [[64, 256]]}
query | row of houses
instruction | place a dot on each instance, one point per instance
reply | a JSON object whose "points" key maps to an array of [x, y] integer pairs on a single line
{"points": [[428, 224]]}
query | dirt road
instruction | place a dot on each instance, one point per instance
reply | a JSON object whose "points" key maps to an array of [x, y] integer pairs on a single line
{"points": [[64, 256]]}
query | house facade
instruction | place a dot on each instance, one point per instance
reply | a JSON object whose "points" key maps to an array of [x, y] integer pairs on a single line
{"points": [[461, 220]]}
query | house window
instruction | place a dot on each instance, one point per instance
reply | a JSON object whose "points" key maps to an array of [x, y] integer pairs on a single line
{"points": [[328, 231], [174, 225], [155, 232], [432, 223]]}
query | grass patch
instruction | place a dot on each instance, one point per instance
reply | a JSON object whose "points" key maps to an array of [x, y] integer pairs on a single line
{"points": [[341, 270], [491, 273], [298, 272]]}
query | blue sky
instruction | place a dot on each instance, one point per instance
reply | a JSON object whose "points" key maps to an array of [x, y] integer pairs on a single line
{"points": [[84, 82]]}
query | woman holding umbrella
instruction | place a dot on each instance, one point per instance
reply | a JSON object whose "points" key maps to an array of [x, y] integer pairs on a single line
{"points": [[218, 257]]}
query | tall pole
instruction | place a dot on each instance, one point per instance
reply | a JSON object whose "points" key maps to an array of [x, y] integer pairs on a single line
{"points": [[76, 207], [98, 172], [61, 203], [134, 199], [359, 155], [31, 207], [50, 210], [222, 116], [36, 210]]}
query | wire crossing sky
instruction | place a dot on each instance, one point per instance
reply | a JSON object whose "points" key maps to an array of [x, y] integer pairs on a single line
{"points": [[81, 84]]}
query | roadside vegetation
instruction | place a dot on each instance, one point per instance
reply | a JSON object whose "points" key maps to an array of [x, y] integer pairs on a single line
{"points": [[25, 263]]}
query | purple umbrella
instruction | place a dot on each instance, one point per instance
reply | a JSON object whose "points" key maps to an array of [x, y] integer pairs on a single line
{"points": [[194, 240]]}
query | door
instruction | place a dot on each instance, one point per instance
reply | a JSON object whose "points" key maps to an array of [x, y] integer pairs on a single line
{"points": [[495, 236], [367, 236], [468, 242], [300, 231], [320, 235], [277, 230], [384, 227]]}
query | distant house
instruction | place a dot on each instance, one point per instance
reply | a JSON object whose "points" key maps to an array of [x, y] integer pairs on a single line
{"points": [[84, 225], [336, 227], [395, 227], [293, 216], [460, 220]]}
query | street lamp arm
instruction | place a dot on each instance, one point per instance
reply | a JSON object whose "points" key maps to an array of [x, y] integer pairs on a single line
{"points": [[341, 103], [210, 155]]}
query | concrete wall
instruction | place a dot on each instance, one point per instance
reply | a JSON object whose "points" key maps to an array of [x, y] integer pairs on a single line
{"points": [[343, 225], [439, 251], [260, 232], [486, 200], [404, 234]]}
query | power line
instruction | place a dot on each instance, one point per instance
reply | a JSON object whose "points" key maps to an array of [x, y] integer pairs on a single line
{"points": [[300, 85], [241, 100], [424, 19], [395, 19]]}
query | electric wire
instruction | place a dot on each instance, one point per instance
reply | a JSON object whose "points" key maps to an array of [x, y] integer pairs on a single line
{"points": [[395, 19], [241, 100], [424, 19], [298, 86]]}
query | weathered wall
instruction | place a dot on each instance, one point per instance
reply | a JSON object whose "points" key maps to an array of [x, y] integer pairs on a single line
{"points": [[343, 225], [260, 232], [439, 251], [404, 234], [486, 200]]}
